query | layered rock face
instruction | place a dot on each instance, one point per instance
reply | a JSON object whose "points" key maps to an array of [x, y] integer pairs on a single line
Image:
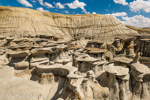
{"points": [[21, 22]]}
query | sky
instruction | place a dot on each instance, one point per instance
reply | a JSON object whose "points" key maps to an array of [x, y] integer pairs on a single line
{"points": [[129, 12]]}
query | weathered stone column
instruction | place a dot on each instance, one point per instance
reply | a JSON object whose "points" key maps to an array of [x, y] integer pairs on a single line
{"points": [[117, 75], [140, 89], [122, 93], [113, 87], [137, 91]]}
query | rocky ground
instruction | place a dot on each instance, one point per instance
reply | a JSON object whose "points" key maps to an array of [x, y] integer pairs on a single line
{"points": [[45, 68]]}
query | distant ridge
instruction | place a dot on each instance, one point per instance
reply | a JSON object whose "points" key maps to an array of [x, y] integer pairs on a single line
{"points": [[18, 22], [140, 30]]}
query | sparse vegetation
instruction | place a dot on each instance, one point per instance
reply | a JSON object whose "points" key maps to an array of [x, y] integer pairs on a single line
{"points": [[140, 30]]}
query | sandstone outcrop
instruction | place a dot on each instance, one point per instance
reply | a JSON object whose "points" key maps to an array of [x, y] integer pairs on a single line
{"points": [[24, 22], [62, 70]]}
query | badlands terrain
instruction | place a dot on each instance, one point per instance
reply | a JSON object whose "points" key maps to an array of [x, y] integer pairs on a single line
{"points": [[49, 56]]}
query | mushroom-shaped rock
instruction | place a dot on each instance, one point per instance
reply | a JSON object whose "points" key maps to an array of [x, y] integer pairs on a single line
{"points": [[63, 70], [2, 37], [18, 53], [139, 71], [119, 71], [9, 39], [87, 59], [41, 51], [19, 59], [140, 76], [140, 68], [123, 60], [118, 77]]}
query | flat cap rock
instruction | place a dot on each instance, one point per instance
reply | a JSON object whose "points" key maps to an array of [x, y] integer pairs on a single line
{"points": [[116, 70], [2, 37], [9, 39], [60, 67], [143, 69], [18, 53], [41, 51], [87, 59], [123, 60]]}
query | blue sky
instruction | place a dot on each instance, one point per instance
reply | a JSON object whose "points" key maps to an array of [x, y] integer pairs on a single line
{"points": [[129, 12]]}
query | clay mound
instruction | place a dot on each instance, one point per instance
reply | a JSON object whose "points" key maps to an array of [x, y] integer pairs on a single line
{"points": [[21, 22]]}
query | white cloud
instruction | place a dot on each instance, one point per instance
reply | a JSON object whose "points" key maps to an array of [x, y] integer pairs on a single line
{"points": [[107, 10], [48, 5], [140, 5], [76, 4], [119, 14], [84, 10], [137, 21], [66, 11], [41, 2], [123, 2], [25, 3], [94, 13], [59, 5], [41, 9]]}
